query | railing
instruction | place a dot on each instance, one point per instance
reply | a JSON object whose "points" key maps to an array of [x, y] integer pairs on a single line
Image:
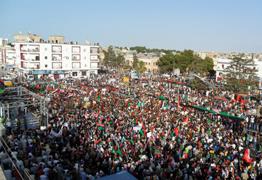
{"points": [[21, 173]]}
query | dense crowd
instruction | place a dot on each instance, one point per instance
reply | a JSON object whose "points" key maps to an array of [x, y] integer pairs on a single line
{"points": [[152, 129]]}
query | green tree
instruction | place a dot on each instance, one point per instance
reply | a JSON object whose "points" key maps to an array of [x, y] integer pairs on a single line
{"points": [[240, 74], [120, 61], [166, 63], [135, 62], [139, 49], [139, 66], [110, 57], [202, 66], [185, 61]]}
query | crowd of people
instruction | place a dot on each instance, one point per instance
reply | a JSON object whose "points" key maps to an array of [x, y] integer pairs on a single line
{"points": [[153, 129]]}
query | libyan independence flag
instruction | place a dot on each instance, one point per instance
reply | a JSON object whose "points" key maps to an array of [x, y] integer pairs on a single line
{"points": [[100, 126]]}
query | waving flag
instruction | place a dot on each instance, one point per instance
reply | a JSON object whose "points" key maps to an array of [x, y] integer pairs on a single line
{"points": [[246, 156], [186, 119]]}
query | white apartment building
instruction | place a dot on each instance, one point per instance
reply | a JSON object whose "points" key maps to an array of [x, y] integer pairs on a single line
{"points": [[220, 64], [7, 55], [57, 60]]}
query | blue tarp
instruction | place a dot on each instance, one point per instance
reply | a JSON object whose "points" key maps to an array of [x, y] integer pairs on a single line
{"points": [[123, 175]]}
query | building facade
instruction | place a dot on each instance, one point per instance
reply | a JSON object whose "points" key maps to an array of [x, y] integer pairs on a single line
{"points": [[150, 60], [28, 38], [7, 54], [56, 60]]}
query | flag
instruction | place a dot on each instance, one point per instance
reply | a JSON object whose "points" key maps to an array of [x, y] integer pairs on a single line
{"points": [[131, 141], [98, 141], [238, 98], [186, 119], [38, 86], [141, 132], [100, 126], [98, 98], [176, 131], [119, 152], [2, 91], [246, 156], [185, 155], [178, 102]]}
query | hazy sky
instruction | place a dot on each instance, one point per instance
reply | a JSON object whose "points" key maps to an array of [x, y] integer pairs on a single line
{"points": [[205, 25]]}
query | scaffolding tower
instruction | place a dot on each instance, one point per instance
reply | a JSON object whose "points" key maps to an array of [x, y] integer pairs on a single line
{"points": [[19, 100]]}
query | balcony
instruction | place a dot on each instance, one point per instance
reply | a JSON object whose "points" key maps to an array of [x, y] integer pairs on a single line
{"points": [[57, 57], [25, 48], [76, 57]]}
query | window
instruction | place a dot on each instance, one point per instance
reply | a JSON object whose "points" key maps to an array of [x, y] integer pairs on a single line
{"points": [[57, 65], [75, 49], [57, 57], [83, 73], [93, 50], [45, 57], [75, 65], [23, 56], [37, 58], [76, 57], [93, 57], [74, 74], [93, 65], [46, 65], [57, 49]]}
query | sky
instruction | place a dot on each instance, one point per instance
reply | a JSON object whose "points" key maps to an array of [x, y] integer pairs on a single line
{"points": [[200, 25]]}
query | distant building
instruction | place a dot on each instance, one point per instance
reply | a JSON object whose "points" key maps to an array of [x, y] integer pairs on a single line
{"points": [[56, 39], [150, 60], [7, 52], [3, 42], [54, 58], [27, 38], [204, 55], [10, 55]]}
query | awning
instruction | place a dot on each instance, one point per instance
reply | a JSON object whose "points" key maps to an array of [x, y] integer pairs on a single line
{"points": [[225, 114], [201, 108]]}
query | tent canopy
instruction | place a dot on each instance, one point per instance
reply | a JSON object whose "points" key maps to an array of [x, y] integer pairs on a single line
{"points": [[224, 114], [201, 108]]}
